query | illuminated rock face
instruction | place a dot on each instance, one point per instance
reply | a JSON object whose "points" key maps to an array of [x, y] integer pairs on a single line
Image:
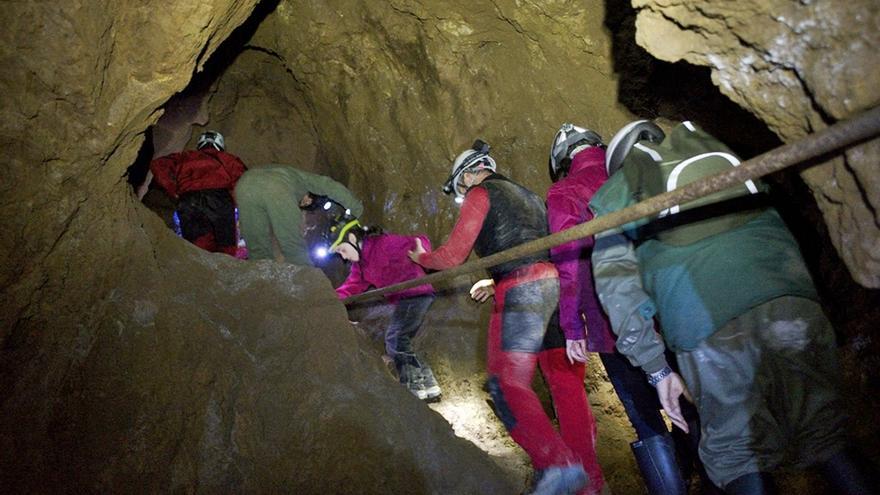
{"points": [[130, 360], [799, 66]]}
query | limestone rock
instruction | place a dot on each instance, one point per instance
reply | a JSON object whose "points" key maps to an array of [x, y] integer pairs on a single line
{"points": [[799, 66]]}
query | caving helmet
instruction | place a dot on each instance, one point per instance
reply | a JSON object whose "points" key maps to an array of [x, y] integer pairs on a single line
{"points": [[569, 140], [626, 138], [212, 138], [470, 160]]}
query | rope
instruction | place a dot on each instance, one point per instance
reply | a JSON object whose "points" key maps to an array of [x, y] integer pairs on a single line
{"points": [[844, 133]]}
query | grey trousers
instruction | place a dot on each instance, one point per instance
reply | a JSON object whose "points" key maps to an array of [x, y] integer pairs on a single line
{"points": [[765, 388]]}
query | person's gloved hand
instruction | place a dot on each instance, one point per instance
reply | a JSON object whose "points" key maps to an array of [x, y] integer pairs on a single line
{"points": [[483, 290]]}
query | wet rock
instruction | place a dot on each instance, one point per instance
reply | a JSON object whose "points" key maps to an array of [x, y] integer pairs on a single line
{"points": [[799, 66]]}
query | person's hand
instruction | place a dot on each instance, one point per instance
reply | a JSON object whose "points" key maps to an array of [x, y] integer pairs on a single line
{"points": [[306, 201], [670, 390], [576, 350], [418, 251], [483, 290]]}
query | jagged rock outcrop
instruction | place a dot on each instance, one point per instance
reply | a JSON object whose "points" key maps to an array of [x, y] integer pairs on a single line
{"points": [[799, 65], [131, 361]]}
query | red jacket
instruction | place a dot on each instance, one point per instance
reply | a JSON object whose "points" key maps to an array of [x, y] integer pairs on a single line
{"points": [[196, 170], [384, 261], [568, 205]]}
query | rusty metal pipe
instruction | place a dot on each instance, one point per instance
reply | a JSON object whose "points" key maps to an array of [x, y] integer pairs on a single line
{"points": [[841, 134]]}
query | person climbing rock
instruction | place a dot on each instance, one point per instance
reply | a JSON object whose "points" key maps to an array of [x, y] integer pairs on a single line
{"points": [[497, 214], [269, 203], [202, 181], [736, 304], [577, 169], [379, 259], [565, 380]]}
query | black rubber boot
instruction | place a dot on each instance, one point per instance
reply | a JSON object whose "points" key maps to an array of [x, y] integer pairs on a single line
{"points": [[655, 457], [751, 484], [849, 473]]}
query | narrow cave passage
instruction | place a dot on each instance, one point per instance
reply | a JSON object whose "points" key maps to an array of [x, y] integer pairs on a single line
{"points": [[239, 376], [254, 92]]}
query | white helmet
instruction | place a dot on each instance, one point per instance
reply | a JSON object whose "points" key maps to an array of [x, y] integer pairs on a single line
{"points": [[569, 140], [474, 158], [626, 138], [212, 138]]}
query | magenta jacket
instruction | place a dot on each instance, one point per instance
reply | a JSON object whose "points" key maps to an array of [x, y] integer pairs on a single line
{"points": [[568, 205], [384, 262]]}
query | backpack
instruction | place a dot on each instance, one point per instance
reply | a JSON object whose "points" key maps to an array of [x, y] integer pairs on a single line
{"points": [[656, 166]]}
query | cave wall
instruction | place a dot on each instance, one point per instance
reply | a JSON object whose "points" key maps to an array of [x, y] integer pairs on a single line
{"points": [[392, 91], [129, 359], [799, 65]]}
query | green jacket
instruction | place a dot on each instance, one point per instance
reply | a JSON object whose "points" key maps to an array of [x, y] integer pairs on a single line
{"points": [[268, 202], [695, 288]]}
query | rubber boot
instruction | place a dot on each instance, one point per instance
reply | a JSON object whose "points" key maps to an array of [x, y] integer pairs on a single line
{"points": [[751, 484], [655, 457], [849, 473]]}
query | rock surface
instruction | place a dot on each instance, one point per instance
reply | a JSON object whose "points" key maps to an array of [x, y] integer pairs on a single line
{"points": [[131, 361], [799, 65]]}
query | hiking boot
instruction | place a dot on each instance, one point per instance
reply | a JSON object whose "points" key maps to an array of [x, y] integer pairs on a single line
{"points": [[416, 385], [561, 480], [432, 388]]}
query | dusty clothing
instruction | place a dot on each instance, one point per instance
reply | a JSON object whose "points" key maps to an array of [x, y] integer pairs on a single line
{"points": [[203, 181], [517, 216], [197, 170], [384, 262], [525, 298], [737, 306], [577, 426], [568, 205], [765, 390], [524, 303], [496, 215], [268, 203]]}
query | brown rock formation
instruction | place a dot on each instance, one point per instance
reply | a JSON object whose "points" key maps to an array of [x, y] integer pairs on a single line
{"points": [[131, 361], [798, 66]]}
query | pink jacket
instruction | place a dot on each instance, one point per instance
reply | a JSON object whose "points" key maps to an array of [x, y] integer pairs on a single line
{"points": [[384, 262], [568, 205]]}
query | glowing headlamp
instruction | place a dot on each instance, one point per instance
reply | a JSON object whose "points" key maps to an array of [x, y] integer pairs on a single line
{"points": [[343, 231]]}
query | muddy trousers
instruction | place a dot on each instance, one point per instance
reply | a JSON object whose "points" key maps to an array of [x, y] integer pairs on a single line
{"points": [[764, 385], [524, 302], [408, 316], [576, 423]]}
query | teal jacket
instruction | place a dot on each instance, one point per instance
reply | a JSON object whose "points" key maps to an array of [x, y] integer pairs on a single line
{"points": [[693, 289]]}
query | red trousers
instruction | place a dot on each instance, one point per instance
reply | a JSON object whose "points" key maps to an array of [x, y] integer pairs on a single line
{"points": [[524, 302], [209, 243], [576, 423]]}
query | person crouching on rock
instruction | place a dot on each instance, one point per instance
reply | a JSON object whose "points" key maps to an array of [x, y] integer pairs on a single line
{"points": [[498, 214], [378, 260]]}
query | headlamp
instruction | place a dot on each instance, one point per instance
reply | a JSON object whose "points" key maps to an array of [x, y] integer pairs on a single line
{"points": [[342, 231], [480, 149]]}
